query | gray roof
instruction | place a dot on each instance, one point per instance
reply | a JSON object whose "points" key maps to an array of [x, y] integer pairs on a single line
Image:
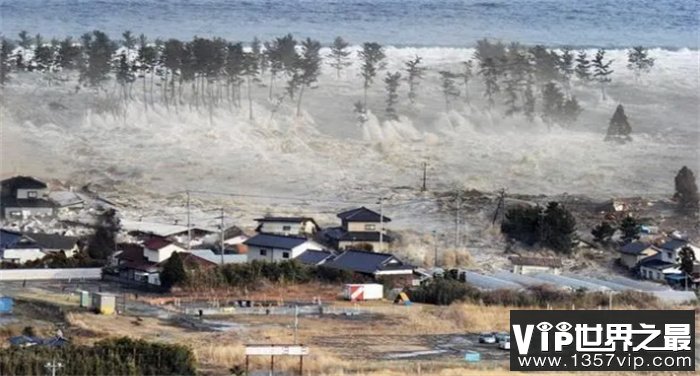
{"points": [[285, 219], [22, 182], [362, 214], [314, 257], [275, 241], [674, 244], [634, 248], [367, 262], [52, 241], [654, 262]]}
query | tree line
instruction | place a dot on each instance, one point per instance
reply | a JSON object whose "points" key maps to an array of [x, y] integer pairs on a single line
{"points": [[120, 356], [210, 72]]}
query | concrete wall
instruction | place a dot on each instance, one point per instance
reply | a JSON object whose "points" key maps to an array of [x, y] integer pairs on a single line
{"points": [[275, 255], [365, 226], [22, 255], [49, 274], [11, 212]]}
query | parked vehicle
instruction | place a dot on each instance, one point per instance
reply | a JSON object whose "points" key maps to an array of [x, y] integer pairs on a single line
{"points": [[487, 338], [500, 337], [505, 344]]}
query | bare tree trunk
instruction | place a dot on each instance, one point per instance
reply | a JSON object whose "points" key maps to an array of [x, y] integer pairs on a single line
{"points": [[301, 93], [250, 100]]}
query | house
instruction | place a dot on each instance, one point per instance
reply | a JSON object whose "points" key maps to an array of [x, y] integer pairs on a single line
{"points": [[360, 227], [159, 249], [55, 243], [383, 266], [209, 255], [655, 268], [20, 248], [269, 247], [632, 253], [671, 248], [22, 197], [297, 226], [174, 232], [314, 258], [134, 266], [535, 265]]}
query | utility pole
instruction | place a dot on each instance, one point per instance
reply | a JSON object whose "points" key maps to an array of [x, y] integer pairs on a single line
{"points": [[425, 175], [435, 245], [296, 322], [381, 224], [53, 366], [457, 219], [500, 206], [222, 236], [189, 227]]}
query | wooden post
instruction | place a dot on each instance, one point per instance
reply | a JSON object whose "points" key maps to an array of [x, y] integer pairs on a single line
{"points": [[246, 365], [272, 365], [301, 365]]}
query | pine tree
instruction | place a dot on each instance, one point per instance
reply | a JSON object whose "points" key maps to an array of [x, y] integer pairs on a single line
{"points": [[552, 103], [638, 61], [566, 67], [546, 64], [529, 101], [619, 128], [583, 66], [414, 73], [6, 48], [570, 110], [69, 54], [251, 71], [686, 256], [128, 40], [449, 88], [489, 71], [467, 75], [309, 67], [173, 272], [372, 56], [25, 41], [339, 56], [686, 189], [603, 232], [392, 81], [234, 69], [630, 229], [601, 70], [98, 49], [559, 228]]}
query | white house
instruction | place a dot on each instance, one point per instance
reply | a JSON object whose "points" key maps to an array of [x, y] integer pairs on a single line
{"points": [[670, 249], [158, 249], [360, 226], [297, 226], [19, 248], [655, 268], [269, 247]]}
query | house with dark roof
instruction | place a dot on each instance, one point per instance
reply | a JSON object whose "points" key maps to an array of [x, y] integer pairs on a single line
{"points": [[535, 265], [23, 197], [19, 248], [314, 257], [634, 252], [655, 268], [134, 267], [360, 227], [270, 247], [384, 266], [297, 226], [671, 247]]}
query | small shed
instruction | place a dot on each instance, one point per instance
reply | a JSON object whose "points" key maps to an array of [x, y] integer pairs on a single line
{"points": [[363, 291], [84, 298], [104, 303], [6, 304]]}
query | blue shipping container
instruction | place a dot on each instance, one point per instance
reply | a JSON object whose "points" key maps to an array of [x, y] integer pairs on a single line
{"points": [[472, 356], [6, 304]]}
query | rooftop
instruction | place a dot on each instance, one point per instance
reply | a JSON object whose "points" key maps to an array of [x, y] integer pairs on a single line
{"points": [[157, 243], [635, 248], [22, 182], [367, 262], [362, 214], [275, 241], [285, 219], [314, 257], [53, 241]]}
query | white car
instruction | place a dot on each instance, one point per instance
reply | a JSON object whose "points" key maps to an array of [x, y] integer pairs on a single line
{"points": [[505, 344]]}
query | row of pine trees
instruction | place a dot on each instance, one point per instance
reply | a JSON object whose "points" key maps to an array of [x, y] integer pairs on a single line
{"points": [[211, 72]]}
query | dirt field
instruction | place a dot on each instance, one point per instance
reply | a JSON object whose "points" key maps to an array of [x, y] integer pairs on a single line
{"points": [[382, 340]]}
